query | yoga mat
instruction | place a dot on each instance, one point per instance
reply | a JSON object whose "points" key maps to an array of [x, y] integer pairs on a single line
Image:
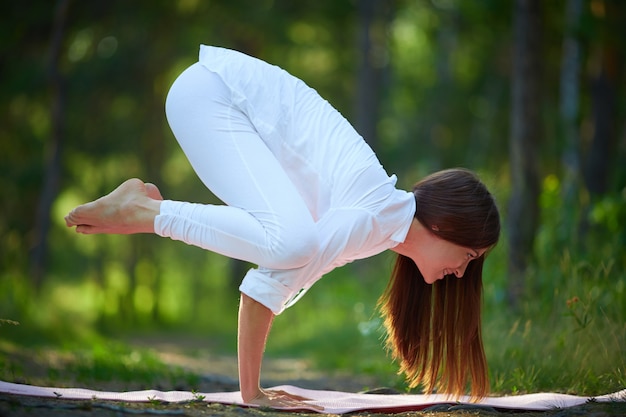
{"points": [[334, 402]]}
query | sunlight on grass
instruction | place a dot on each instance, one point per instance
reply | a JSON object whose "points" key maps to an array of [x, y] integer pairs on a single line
{"points": [[102, 362], [571, 342]]}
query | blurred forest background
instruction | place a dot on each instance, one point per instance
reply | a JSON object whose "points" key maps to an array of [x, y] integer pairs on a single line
{"points": [[528, 93]]}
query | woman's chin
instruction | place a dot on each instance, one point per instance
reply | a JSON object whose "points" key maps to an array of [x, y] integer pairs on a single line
{"points": [[432, 280]]}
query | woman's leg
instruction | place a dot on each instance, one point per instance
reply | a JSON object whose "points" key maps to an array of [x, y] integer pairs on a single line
{"points": [[265, 220]]}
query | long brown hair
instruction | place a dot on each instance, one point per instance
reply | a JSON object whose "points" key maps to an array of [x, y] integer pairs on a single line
{"points": [[434, 330]]}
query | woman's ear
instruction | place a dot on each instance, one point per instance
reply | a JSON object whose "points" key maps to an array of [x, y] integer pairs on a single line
{"points": [[435, 228]]}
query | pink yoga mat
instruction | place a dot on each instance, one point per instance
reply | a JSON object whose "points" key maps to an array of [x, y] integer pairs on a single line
{"points": [[334, 402]]}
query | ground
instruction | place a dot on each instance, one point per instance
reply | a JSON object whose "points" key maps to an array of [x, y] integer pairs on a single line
{"points": [[217, 373]]}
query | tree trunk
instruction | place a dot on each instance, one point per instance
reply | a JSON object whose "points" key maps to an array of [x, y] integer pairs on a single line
{"points": [[374, 17], [599, 159], [569, 105], [570, 121], [52, 170], [525, 135]]}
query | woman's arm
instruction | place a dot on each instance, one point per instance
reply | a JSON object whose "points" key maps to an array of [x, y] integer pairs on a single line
{"points": [[255, 321]]}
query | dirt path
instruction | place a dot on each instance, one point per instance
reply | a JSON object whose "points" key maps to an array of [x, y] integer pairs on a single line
{"points": [[221, 371]]}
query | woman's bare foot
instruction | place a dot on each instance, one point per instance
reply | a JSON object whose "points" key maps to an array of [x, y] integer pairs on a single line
{"points": [[130, 208]]}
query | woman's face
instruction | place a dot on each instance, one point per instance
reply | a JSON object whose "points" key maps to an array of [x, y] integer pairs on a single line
{"points": [[439, 258], [434, 256]]}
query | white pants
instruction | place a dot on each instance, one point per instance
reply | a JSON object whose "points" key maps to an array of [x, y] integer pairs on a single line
{"points": [[265, 220]]}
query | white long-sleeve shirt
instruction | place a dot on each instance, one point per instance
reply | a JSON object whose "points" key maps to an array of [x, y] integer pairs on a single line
{"points": [[358, 211]]}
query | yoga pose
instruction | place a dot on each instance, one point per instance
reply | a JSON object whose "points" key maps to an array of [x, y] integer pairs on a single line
{"points": [[303, 194]]}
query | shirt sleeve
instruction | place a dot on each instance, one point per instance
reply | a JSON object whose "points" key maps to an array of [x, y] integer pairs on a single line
{"points": [[264, 286]]}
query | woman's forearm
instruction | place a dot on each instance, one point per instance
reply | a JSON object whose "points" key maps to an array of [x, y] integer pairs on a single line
{"points": [[255, 321]]}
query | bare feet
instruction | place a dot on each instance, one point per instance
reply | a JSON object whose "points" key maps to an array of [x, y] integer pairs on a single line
{"points": [[130, 208]]}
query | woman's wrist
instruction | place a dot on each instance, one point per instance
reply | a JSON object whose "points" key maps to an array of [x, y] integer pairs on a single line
{"points": [[250, 394]]}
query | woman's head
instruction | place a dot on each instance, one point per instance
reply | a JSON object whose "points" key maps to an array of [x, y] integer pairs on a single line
{"points": [[456, 206], [434, 330], [456, 222]]}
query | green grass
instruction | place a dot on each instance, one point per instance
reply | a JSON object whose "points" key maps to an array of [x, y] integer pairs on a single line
{"points": [[104, 364], [571, 337]]}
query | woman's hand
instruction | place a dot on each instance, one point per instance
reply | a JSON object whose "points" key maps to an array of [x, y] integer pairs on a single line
{"points": [[282, 399]]}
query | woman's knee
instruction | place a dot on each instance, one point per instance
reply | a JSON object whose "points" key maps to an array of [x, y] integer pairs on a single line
{"points": [[197, 92], [178, 94]]}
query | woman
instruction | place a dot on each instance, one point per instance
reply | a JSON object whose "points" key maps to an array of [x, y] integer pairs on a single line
{"points": [[303, 195]]}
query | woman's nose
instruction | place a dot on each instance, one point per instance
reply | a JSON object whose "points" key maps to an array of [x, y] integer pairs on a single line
{"points": [[460, 271]]}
